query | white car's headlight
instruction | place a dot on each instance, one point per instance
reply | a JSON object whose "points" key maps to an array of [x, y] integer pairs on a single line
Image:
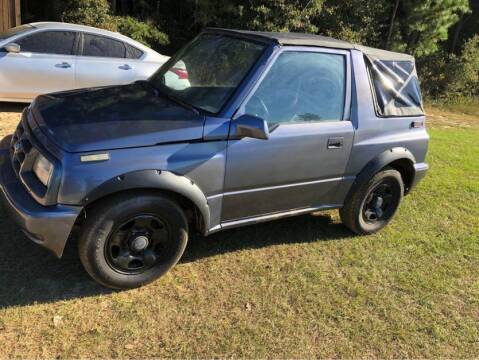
{"points": [[43, 169]]}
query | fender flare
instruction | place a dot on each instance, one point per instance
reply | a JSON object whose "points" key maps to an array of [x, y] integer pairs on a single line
{"points": [[382, 160], [156, 180]]}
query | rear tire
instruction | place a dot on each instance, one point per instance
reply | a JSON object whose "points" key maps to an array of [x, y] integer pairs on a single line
{"points": [[130, 240], [373, 204]]}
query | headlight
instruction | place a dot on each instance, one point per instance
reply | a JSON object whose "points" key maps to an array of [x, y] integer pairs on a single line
{"points": [[43, 169]]}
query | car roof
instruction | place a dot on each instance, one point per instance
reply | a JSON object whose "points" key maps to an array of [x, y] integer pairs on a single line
{"points": [[90, 29], [303, 39]]}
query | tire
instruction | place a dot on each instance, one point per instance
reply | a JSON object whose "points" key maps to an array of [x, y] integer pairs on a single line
{"points": [[130, 240], [364, 212]]}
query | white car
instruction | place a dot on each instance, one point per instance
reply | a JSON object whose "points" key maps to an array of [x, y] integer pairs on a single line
{"points": [[48, 57], [177, 77]]}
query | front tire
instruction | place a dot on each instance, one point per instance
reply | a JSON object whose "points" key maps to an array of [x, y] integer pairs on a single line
{"points": [[373, 204], [130, 240]]}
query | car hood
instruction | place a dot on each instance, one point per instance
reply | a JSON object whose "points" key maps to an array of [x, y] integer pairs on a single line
{"points": [[114, 117]]}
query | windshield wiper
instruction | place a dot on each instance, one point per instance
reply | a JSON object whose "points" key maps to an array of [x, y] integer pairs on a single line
{"points": [[172, 98]]}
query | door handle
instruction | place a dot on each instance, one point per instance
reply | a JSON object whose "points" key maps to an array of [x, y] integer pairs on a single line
{"points": [[125, 67], [335, 142], [63, 65]]}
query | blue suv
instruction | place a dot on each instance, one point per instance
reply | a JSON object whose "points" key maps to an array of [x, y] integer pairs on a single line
{"points": [[268, 125]]}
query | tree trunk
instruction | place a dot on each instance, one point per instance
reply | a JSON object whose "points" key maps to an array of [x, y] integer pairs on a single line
{"points": [[113, 7], [457, 32], [391, 25]]}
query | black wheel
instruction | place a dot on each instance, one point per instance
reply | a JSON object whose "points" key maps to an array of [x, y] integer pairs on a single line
{"points": [[373, 204], [130, 240]]}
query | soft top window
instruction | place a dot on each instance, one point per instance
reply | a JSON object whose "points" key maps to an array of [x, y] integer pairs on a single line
{"points": [[396, 87]]}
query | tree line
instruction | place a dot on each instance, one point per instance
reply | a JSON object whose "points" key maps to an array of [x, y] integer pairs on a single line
{"points": [[443, 35]]}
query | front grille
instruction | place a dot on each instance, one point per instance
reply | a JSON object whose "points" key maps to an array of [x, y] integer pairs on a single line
{"points": [[24, 150], [20, 147]]}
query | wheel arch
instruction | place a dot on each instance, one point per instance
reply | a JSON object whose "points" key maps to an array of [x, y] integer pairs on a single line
{"points": [[407, 171], [399, 158], [182, 189]]}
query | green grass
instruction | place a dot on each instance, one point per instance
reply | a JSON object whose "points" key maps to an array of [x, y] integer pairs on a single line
{"points": [[299, 287]]}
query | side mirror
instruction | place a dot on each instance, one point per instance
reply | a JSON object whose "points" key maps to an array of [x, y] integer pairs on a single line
{"points": [[12, 48], [250, 126]]}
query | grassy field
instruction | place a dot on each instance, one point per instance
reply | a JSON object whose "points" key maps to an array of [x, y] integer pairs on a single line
{"points": [[301, 287]]}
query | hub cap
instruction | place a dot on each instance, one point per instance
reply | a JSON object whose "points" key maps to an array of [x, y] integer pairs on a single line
{"points": [[378, 202], [137, 245]]}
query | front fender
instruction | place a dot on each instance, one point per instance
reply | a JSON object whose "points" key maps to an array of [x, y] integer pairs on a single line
{"points": [[157, 180]]}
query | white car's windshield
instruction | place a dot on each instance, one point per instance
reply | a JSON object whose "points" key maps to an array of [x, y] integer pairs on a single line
{"points": [[14, 31], [205, 73]]}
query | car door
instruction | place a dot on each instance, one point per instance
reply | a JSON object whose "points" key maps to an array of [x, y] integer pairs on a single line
{"points": [[45, 63], [305, 98], [103, 62]]}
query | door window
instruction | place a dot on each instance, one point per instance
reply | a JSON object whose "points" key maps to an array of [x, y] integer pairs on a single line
{"points": [[48, 42], [101, 46], [301, 87]]}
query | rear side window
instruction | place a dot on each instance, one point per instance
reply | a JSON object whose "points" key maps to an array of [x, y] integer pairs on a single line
{"points": [[101, 46], [396, 88], [48, 42], [133, 52]]}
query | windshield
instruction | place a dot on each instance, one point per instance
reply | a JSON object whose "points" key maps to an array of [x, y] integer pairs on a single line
{"points": [[205, 73], [14, 31]]}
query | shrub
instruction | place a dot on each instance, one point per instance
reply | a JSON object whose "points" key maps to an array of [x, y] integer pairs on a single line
{"points": [[143, 32], [96, 13], [449, 77], [89, 12], [468, 79]]}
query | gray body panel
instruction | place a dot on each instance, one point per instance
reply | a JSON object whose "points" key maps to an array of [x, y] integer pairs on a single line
{"points": [[235, 182], [374, 134], [292, 169]]}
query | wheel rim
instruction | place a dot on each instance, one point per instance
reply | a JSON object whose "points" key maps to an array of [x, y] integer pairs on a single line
{"points": [[137, 245], [380, 202]]}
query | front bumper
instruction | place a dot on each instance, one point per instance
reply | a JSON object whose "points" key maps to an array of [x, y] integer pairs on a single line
{"points": [[48, 226]]}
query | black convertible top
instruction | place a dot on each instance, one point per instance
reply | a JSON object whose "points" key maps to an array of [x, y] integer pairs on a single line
{"points": [[302, 39]]}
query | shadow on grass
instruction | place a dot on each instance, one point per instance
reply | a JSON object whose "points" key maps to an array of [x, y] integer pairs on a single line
{"points": [[29, 274], [298, 229], [12, 107]]}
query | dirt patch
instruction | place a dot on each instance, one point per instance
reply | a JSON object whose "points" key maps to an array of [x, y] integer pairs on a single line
{"points": [[442, 118], [9, 117]]}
